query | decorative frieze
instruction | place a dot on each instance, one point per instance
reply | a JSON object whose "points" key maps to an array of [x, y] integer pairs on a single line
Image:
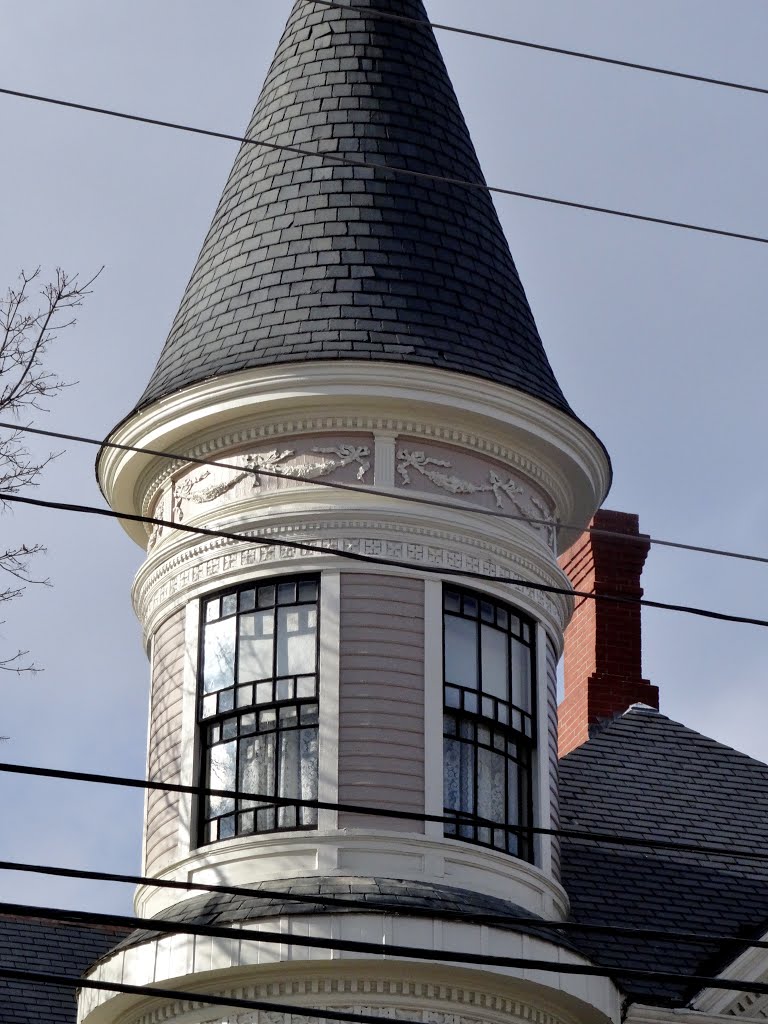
{"points": [[417, 547], [258, 472], [435, 1003], [408, 433], [451, 471]]}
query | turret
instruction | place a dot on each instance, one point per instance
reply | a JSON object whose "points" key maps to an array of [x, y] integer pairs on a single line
{"points": [[375, 647]]}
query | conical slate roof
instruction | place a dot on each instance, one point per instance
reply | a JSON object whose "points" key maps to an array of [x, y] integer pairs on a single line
{"points": [[309, 260]]}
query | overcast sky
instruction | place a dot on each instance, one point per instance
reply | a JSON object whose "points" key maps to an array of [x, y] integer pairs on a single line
{"points": [[657, 336]]}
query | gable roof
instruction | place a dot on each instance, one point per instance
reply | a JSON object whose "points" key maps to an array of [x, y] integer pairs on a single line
{"points": [[309, 260], [649, 777], [51, 947]]}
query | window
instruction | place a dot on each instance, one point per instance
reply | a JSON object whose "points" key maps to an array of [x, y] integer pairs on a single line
{"points": [[489, 720], [258, 706]]}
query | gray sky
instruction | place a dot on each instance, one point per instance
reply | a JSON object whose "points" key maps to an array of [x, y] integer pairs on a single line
{"points": [[657, 336]]}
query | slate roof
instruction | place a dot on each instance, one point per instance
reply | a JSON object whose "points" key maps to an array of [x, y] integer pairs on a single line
{"points": [[309, 260], [647, 776], [368, 893], [49, 947]]}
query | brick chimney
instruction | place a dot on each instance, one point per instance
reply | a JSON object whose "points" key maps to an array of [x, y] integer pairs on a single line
{"points": [[603, 648]]}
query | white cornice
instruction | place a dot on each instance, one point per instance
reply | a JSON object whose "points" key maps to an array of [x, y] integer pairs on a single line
{"points": [[421, 990], [546, 441], [185, 566], [751, 965], [640, 1013]]}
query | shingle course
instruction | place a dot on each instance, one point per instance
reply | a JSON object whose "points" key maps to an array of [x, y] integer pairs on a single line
{"points": [[221, 909], [50, 947], [649, 777], [348, 81]]}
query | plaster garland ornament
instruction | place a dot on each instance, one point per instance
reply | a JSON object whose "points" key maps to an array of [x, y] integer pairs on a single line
{"points": [[421, 430], [500, 488], [202, 488]]}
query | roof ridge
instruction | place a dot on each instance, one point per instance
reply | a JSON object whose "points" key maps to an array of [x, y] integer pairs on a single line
{"points": [[650, 717]]}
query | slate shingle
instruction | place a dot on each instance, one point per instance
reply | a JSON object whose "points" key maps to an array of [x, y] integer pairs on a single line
{"points": [[50, 947], [649, 777], [368, 894], [440, 287]]}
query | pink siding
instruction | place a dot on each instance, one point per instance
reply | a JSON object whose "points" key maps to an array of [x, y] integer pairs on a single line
{"points": [[165, 742], [381, 699]]}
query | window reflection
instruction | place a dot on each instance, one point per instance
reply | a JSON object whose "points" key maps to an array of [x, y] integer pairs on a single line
{"points": [[258, 708], [488, 724]]}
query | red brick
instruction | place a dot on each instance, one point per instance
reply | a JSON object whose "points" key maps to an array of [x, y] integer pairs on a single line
{"points": [[603, 642]]}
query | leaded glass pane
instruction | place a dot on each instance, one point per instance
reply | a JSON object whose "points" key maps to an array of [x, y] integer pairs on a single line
{"points": [[491, 771], [221, 775], [489, 734], [296, 645], [521, 675], [308, 768], [259, 668], [256, 644], [257, 767], [460, 652], [308, 590], [495, 662], [219, 655]]}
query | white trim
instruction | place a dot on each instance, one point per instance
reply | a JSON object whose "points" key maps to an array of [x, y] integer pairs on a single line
{"points": [[433, 704], [751, 965], [150, 720], [541, 793], [546, 439], [384, 458], [328, 740], [424, 990], [641, 1013], [186, 565], [364, 852], [189, 743]]}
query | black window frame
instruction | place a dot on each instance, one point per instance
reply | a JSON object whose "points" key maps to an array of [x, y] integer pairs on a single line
{"points": [[471, 717], [236, 708]]}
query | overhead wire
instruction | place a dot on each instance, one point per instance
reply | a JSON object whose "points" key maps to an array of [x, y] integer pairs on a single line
{"points": [[505, 921], [319, 549], [375, 165], [411, 498], [193, 996], [528, 44], [390, 950], [454, 818], [41, 978]]}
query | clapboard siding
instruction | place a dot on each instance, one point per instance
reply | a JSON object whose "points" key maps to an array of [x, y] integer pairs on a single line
{"points": [[381, 698], [164, 762], [554, 797]]}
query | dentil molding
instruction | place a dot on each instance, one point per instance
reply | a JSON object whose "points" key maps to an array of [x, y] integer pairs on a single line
{"points": [[212, 563], [459, 1001]]}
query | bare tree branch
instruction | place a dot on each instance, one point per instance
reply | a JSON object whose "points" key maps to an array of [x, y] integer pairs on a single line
{"points": [[27, 331]]}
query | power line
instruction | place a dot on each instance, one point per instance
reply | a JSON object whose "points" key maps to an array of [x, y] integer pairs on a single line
{"points": [[347, 161], [156, 991], [504, 922], [527, 44], [295, 545], [455, 818], [412, 498], [407, 952]]}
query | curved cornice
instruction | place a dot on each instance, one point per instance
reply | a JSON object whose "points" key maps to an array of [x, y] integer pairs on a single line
{"points": [[546, 442], [185, 566]]}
